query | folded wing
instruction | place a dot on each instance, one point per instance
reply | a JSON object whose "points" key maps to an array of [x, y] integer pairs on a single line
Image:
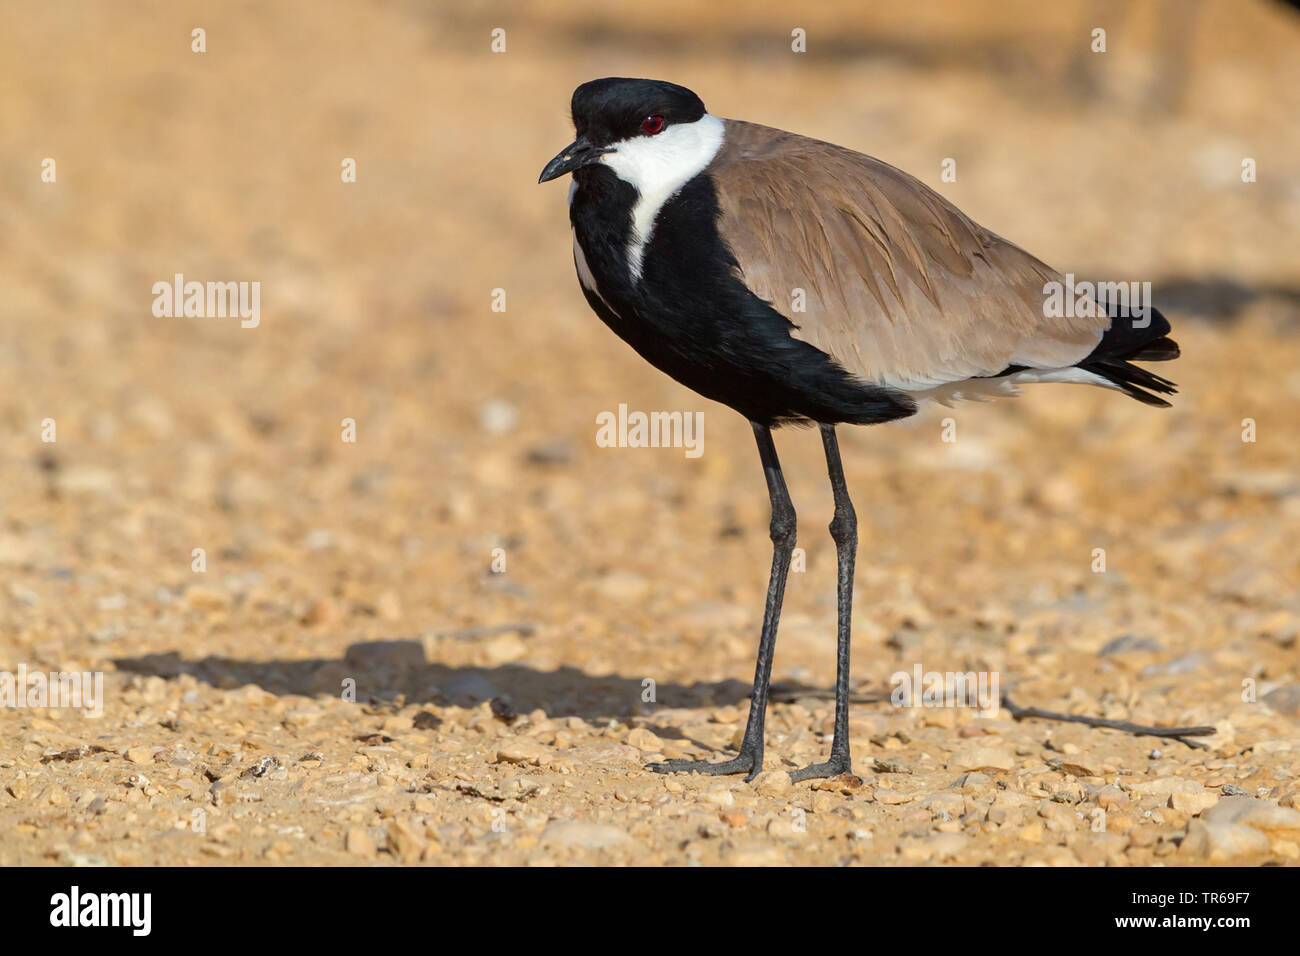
{"points": [[899, 287]]}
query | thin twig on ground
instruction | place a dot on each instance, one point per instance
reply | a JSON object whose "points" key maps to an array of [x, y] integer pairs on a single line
{"points": [[1138, 730], [788, 695]]}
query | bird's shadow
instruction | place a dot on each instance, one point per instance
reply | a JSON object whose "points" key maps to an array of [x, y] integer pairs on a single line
{"points": [[397, 670]]}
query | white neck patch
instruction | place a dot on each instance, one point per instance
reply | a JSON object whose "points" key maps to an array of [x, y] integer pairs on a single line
{"points": [[658, 166]]}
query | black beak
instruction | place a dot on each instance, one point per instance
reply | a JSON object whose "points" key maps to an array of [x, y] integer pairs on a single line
{"points": [[577, 154]]}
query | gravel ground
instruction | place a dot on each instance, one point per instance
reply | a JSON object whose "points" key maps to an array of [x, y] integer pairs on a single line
{"points": [[432, 644]]}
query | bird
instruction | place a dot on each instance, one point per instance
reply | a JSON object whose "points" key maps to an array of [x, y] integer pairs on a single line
{"points": [[692, 235]]}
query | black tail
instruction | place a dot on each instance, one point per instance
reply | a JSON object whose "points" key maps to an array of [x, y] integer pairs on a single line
{"points": [[1126, 341]]}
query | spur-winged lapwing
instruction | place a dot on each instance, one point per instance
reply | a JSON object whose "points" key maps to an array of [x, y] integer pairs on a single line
{"points": [[691, 235]]}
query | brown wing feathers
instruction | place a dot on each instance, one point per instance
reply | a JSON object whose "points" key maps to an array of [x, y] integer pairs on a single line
{"points": [[901, 288]]}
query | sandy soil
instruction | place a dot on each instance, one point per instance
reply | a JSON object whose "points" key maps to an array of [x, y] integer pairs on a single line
{"points": [[500, 716]]}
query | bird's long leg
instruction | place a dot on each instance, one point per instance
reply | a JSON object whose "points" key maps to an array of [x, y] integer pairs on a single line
{"points": [[782, 529], [844, 530]]}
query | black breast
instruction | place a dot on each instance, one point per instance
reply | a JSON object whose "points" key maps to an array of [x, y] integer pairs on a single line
{"points": [[691, 315]]}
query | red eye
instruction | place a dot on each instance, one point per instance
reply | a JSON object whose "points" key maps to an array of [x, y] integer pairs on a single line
{"points": [[652, 125]]}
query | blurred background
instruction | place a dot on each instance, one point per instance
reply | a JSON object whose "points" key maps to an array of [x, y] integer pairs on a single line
{"points": [[476, 428]]}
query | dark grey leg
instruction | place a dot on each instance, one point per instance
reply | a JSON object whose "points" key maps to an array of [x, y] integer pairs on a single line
{"points": [[750, 758], [844, 530]]}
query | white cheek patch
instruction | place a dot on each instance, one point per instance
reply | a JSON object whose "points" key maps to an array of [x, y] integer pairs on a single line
{"points": [[658, 166]]}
